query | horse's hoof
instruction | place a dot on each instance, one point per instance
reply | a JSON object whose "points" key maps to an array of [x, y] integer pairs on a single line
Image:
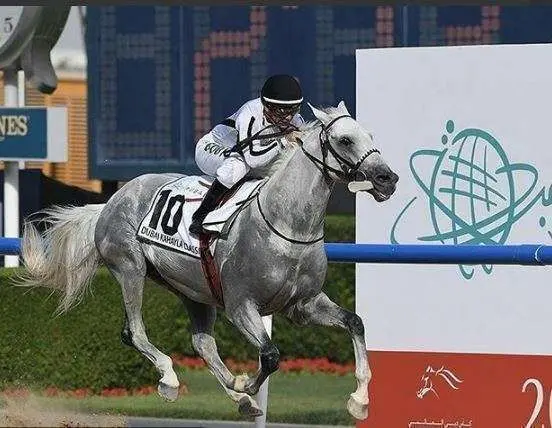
{"points": [[357, 409], [169, 393], [249, 407]]}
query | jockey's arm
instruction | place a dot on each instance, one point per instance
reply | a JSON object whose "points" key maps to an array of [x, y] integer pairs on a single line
{"points": [[258, 155], [260, 152]]}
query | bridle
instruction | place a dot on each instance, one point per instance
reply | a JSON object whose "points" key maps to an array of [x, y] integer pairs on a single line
{"points": [[348, 170]]}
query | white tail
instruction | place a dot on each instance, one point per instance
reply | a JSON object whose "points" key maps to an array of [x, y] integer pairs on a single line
{"points": [[64, 257]]}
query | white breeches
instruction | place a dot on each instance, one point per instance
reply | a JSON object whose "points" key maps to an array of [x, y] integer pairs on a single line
{"points": [[210, 159]]}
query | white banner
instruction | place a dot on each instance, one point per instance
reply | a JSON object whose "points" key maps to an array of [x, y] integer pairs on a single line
{"points": [[468, 130]]}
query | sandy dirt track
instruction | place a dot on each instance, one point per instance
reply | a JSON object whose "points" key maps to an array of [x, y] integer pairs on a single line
{"points": [[28, 412]]}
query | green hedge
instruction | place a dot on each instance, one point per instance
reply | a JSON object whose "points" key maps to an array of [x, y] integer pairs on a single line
{"points": [[340, 228], [83, 349]]}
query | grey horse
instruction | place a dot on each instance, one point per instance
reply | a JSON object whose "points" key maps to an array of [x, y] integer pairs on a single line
{"points": [[271, 260]]}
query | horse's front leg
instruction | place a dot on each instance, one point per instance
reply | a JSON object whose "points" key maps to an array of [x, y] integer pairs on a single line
{"points": [[321, 310], [245, 316]]}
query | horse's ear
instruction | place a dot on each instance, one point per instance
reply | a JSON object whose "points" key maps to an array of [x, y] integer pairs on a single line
{"points": [[319, 114], [342, 108]]}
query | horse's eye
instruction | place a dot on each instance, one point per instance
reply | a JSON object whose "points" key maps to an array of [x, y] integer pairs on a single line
{"points": [[345, 141]]}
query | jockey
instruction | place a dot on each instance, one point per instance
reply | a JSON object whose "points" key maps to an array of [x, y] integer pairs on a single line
{"points": [[219, 153]]}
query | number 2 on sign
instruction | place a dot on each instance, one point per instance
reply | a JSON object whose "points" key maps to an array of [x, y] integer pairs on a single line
{"points": [[539, 400]]}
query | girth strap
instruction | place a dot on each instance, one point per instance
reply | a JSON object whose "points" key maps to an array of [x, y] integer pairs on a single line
{"points": [[210, 269], [208, 263]]}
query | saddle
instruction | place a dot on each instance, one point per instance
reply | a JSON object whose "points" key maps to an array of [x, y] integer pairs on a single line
{"points": [[166, 223]]}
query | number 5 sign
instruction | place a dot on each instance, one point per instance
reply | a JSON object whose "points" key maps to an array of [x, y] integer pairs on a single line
{"points": [[29, 33]]}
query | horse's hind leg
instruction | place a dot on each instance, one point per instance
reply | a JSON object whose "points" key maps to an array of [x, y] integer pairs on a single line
{"points": [[202, 319], [321, 310], [247, 319], [128, 266]]}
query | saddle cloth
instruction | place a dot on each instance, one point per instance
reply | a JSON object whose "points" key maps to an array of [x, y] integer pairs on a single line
{"points": [[166, 222]]}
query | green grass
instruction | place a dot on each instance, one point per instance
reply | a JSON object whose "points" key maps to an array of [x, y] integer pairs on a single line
{"points": [[293, 398]]}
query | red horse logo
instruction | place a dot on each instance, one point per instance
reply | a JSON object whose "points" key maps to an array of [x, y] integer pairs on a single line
{"points": [[430, 374]]}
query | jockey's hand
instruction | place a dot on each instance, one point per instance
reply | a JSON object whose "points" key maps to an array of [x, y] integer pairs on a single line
{"points": [[291, 138]]}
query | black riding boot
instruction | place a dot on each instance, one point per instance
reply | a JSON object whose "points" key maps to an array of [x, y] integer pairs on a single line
{"points": [[210, 200]]}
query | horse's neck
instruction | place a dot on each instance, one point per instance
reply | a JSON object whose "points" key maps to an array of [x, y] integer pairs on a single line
{"points": [[295, 198]]}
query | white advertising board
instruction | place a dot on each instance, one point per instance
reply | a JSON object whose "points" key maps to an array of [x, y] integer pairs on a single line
{"points": [[467, 129]]}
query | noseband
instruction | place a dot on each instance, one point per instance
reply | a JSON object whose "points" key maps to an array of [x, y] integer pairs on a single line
{"points": [[348, 170]]}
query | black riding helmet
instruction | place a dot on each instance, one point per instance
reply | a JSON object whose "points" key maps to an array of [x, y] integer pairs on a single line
{"points": [[281, 96]]}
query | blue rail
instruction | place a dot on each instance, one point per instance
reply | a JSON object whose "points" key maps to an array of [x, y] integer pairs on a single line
{"points": [[10, 246], [523, 254]]}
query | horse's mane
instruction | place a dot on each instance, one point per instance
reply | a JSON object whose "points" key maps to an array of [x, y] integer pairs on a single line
{"points": [[308, 126]]}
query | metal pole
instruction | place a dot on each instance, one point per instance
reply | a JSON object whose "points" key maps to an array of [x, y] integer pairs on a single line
{"points": [[262, 395], [21, 99], [11, 173]]}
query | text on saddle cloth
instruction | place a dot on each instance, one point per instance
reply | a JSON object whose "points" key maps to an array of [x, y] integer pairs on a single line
{"points": [[170, 215]]}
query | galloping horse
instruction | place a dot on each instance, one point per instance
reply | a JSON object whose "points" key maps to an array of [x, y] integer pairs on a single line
{"points": [[271, 260]]}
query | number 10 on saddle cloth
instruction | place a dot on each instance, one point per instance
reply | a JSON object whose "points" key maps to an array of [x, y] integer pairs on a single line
{"points": [[166, 222]]}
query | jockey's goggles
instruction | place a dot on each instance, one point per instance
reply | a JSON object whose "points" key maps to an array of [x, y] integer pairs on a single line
{"points": [[279, 114]]}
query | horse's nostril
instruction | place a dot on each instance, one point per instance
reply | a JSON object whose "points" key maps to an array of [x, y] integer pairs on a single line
{"points": [[386, 178], [383, 178]]}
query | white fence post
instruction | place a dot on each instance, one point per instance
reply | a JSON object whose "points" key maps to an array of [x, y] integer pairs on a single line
{"points": [[262, 395], [11, 172]]}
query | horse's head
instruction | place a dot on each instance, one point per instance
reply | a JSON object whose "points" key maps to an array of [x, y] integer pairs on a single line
{"points": [[426, 383], [349, 153], [430, 375]]}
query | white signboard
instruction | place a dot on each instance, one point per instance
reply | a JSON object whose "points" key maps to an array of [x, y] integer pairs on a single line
{"points": [[468, 130]]}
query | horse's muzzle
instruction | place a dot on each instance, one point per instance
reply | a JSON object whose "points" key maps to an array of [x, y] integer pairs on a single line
{"points": [[384, 181]]}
